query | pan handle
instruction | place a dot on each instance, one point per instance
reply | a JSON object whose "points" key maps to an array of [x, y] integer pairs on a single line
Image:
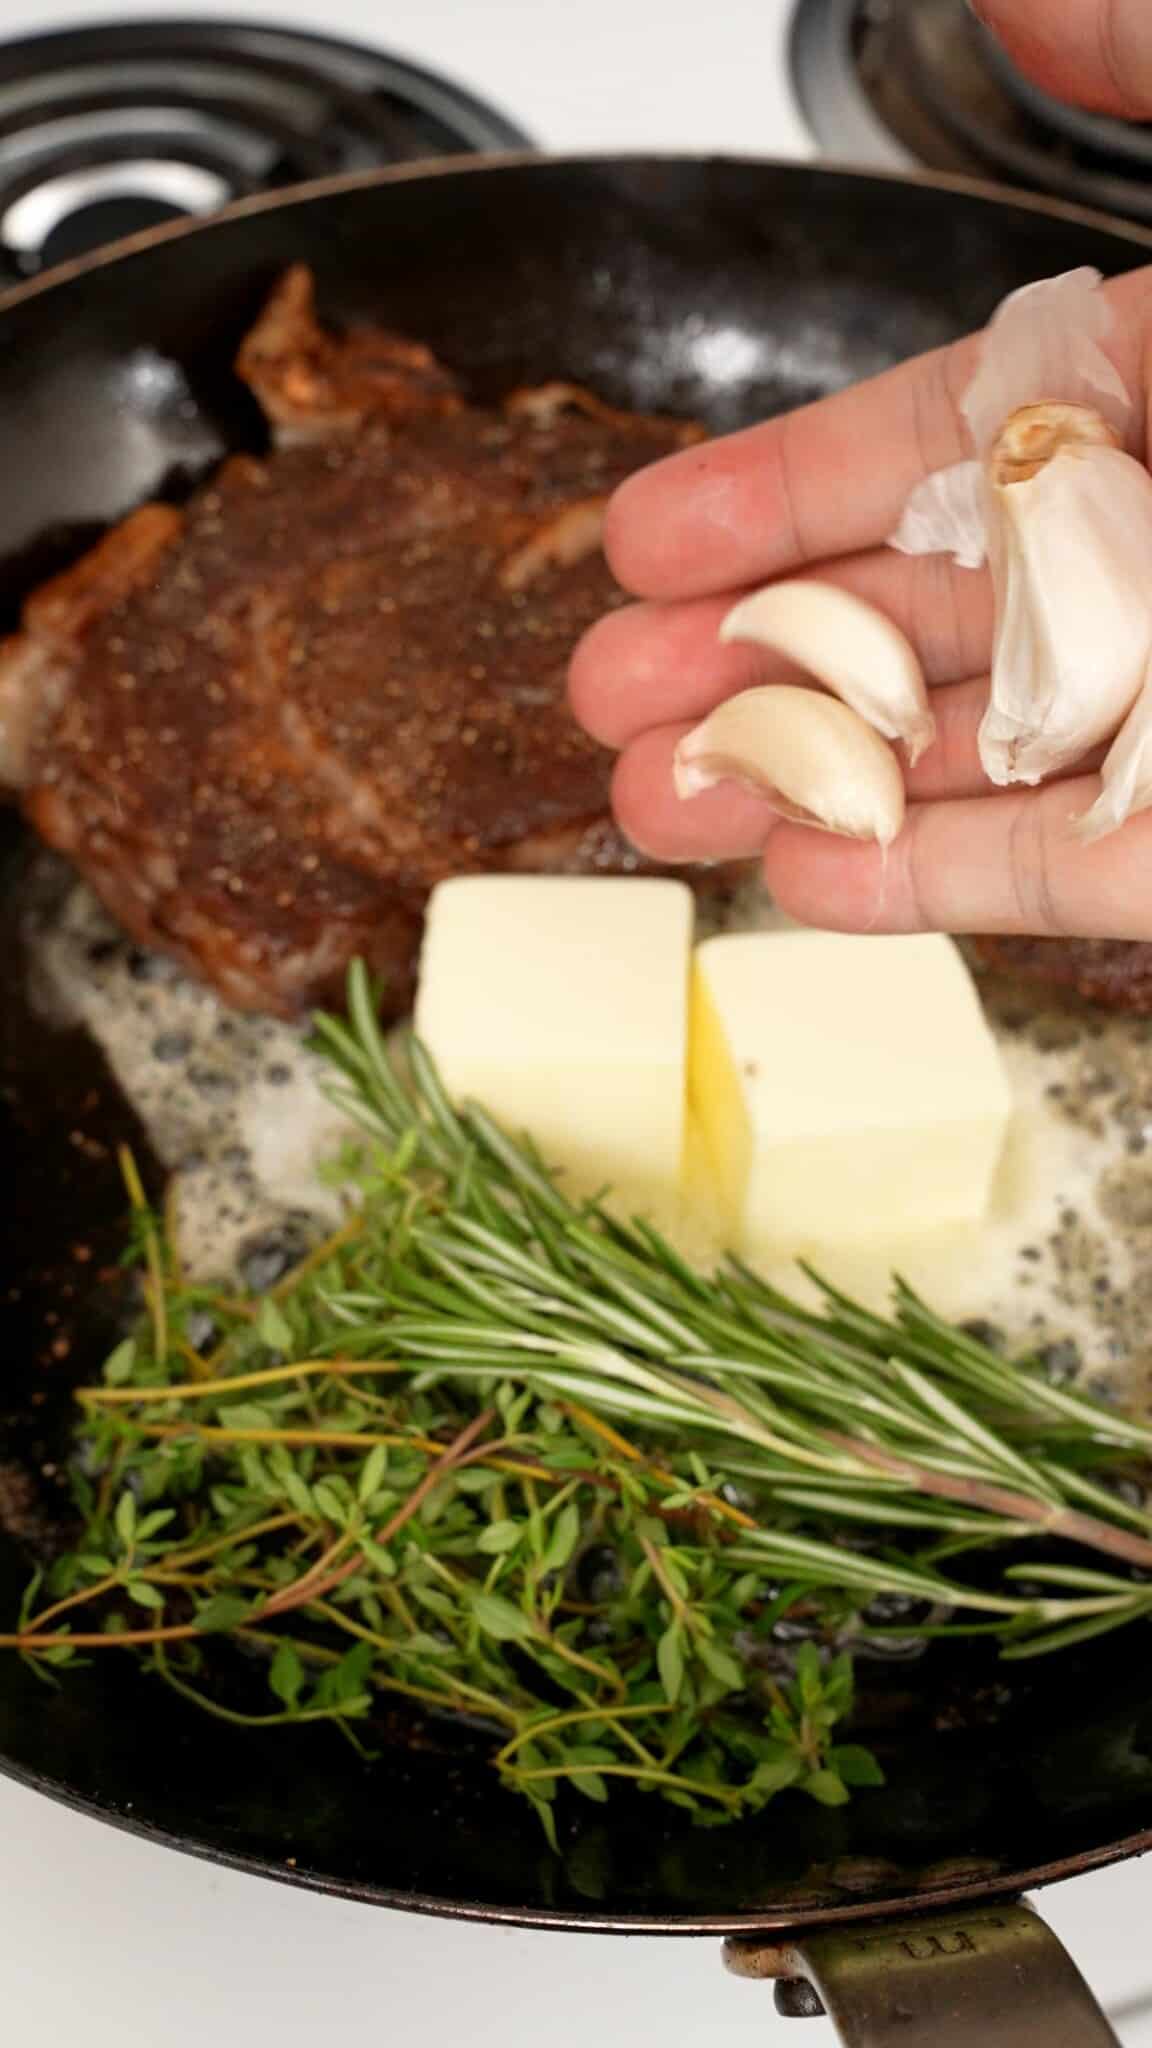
{"points": [[984, 1977]]}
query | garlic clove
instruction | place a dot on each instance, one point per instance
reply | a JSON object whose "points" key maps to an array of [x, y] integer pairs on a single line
{"points": [[1033, 434], [1126, 776], [1071, 556], [1043, 342], [813, 757], [946, 515], [846, 644], [1067, 519], [1041, 345]]}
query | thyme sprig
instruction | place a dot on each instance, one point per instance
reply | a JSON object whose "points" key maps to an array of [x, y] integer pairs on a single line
{"points": [[508, 1457]]}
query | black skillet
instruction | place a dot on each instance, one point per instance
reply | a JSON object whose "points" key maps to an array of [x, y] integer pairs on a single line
{"points": [[722, 289]]}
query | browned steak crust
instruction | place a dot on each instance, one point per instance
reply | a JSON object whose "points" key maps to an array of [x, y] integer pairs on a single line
{"points": [[1114, 972], [343, 675]]}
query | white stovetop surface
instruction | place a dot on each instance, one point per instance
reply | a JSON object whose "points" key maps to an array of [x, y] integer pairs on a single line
{"points": [[110, 1942], [698, 75]]}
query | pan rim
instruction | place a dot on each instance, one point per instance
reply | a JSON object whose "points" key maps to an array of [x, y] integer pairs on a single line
{"points": [[927, 1897], [318, 189]]}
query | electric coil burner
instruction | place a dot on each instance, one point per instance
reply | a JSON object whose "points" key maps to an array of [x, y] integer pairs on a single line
{"points": [[107, 130], [896, 83]]}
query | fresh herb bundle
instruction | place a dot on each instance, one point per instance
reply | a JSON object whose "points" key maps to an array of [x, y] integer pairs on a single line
{"points": [[510, 1458]]}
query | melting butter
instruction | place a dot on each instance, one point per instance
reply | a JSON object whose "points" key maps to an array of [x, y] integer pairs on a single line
{"points": [[235, 1109]]}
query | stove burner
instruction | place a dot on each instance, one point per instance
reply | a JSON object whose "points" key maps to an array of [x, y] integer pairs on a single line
{"points": [[902, 83], [107, 130]]}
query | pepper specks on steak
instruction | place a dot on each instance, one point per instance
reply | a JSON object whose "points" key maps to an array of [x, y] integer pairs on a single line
{"points": [[265, 726]]}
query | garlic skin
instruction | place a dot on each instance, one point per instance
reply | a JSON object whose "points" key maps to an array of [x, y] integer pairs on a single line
{"points": [[846, 644], [1043, 343], [1071, 558], [1041, 346], [1063, 516], [946, 515], [1126, 775], [813, 757]]}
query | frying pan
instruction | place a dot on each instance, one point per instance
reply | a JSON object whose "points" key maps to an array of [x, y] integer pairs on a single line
{"points": [[726, 289]]}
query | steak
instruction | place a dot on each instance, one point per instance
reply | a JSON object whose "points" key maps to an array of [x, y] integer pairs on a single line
{"points": [[263, 726], [1116, 973]]}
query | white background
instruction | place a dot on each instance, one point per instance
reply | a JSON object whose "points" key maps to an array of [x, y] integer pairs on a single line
{"points": [[109, 1942]]}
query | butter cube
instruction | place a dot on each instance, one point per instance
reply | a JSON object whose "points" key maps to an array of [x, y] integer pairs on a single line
{"points": [[849, 1088], [560, 1004]]}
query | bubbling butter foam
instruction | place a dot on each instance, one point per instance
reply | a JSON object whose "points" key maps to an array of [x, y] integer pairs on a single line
{"points": [[235, 1110], [232, 1104]]}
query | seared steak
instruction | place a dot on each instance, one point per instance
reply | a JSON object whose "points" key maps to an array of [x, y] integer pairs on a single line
{"points": [[1116, 973], [265, 726]]}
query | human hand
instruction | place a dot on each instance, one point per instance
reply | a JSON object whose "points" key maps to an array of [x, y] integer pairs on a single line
{"points": [[1094, 53], [817, 491]]}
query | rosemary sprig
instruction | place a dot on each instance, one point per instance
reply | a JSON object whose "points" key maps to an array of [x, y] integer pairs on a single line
{"points": [[509, 1457], [840, 1411]]}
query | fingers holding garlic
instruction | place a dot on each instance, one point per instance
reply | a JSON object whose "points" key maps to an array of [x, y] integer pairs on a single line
{"points": [[1063, 516]]}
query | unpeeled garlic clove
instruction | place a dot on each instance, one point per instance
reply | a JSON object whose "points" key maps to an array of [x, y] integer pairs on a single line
{"points": [[1065, 517], [1071, 558], [811, 755], [846, 644]]}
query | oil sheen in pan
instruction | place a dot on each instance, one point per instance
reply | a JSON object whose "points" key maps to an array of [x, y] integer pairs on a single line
{"points": [[235, 1110]]}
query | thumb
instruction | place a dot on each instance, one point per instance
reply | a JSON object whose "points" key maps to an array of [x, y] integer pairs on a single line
{"points": [[1093, 53]]}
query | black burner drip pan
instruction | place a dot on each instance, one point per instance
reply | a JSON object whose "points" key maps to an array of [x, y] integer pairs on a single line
{"points": [[901, 83], [114, 128]]}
